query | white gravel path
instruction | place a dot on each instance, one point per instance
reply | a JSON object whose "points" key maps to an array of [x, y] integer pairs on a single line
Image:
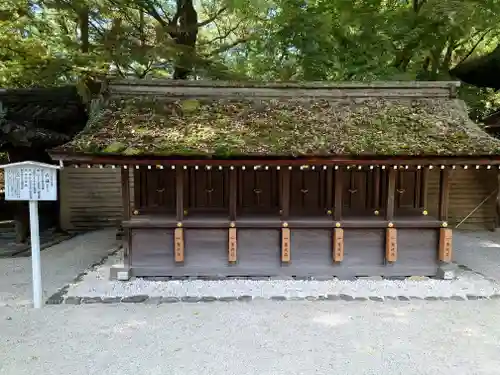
{"points": [[96, 284], [60, 264], [257, 338]]}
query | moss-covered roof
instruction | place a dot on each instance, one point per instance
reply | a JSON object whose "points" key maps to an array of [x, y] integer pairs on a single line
{"points": [[158, 125]]}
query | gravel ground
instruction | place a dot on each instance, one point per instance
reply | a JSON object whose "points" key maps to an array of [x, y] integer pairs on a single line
{"points": [[96, 284], [258, 338], [60, 264], [479, 251]]}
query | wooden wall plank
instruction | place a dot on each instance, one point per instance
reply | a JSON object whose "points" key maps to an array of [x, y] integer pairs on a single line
{"points": [[391, 245], [445, 245], [232, 246], [179, 245], [285, 245], [338, 245]]}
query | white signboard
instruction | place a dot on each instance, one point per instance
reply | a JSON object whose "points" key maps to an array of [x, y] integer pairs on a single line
{"points": [[33, 182], [30, 182]]}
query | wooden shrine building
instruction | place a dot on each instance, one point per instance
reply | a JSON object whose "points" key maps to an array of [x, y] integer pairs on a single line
{"points": [[316, 179]]}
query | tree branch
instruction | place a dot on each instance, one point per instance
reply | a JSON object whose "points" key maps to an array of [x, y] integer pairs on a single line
{"points": [[228, 46], [475, 46], [212, 18]]}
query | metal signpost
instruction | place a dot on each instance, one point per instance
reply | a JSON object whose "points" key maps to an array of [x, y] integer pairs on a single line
{"points": [[33, 182]]}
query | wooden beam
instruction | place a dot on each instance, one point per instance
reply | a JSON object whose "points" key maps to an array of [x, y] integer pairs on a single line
{"points": [[285, 245], [444, 193], [338, 245], [233, 193], [337, 208], [179, 245], [179, 194], [125, 177], [391, 245], [232, 246], [285, 193], [391, 191], [86, 158], [445, 245], [424, 189]]}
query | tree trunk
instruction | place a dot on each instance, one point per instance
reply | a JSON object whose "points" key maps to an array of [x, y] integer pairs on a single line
{"points": [[185, 37]]}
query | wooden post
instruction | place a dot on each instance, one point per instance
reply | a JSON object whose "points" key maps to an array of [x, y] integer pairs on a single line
{"points": [[179, 245], [338, 245], [444, 192], [329, 189], [376, 193], [179, 194], [391, 245], [233, 193], [232, 246], [338, 195], [445, 245], [127, 235], [391, 191], [125, 193], [285, 245], [418, 188], [179, 214], [285, 193]]}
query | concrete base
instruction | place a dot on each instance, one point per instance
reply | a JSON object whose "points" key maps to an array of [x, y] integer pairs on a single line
{"points": [[119, 272], [447, 272]]}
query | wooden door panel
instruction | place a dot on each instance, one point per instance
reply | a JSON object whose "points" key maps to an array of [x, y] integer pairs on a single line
{"points": [[258, 191], [307, 192], [208, 190], [405, 189], [354, 191], [155, 189]]}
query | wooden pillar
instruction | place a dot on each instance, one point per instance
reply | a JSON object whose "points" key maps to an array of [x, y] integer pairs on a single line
{"points": [[179, 214], [418, 188], [444, 192], [285, 193], [338, 245], [329, 189], [391, 191], [376, 192], [233, 193], [424, 188], [338, 195], [179, 194], [127, 235], [125, 176]]}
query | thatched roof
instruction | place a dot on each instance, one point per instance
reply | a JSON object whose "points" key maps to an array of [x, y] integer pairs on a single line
{"points": [[283, 120], [44, 117]]}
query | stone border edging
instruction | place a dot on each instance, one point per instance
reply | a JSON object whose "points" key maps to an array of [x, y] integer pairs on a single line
{"points": [[142, 298], [58, 297]]}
